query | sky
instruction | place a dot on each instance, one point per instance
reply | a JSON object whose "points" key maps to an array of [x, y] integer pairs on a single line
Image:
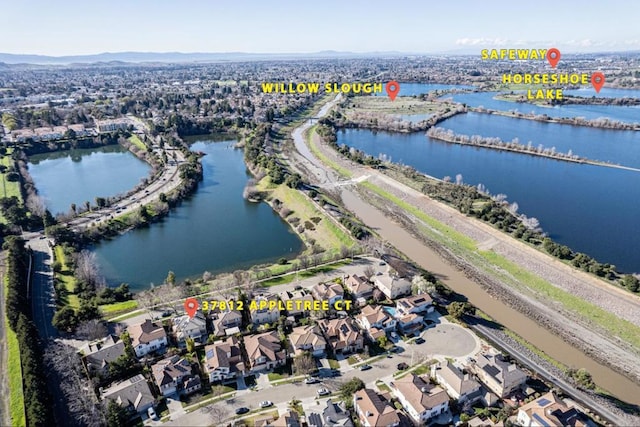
{"points": [[72, 27]]}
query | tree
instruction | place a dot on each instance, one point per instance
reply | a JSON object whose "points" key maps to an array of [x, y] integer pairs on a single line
{"points": [[171, 278], [304, 364], [116, 415], [348, 389], [369, 271], [456, 309], [631, 282], [65, 319], [91, 330]]}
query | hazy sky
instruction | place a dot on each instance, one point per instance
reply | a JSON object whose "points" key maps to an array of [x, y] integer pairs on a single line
{"points": [[83, 27]]}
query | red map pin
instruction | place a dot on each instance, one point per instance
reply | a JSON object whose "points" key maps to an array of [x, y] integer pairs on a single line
{"points": [[553, 56], [597, 81], [392, 88], [191, 306]]}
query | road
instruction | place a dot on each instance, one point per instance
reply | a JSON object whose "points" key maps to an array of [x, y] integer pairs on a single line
{"points": [[41, 290]]}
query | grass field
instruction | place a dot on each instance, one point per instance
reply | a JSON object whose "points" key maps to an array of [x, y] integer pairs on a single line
{"points": [[118, 307], [8, 188], [311, 137], [135, 140], [401, 105], [320, 228], [513, 274], [66, 276], [14, 370]]}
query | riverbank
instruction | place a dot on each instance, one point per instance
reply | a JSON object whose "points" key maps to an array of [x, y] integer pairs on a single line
{"points": [[440, 261], [568, 100]]}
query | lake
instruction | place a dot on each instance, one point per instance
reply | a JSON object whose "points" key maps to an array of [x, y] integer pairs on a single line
{"points": [[216, 230], [591, 209], [76, 176]]}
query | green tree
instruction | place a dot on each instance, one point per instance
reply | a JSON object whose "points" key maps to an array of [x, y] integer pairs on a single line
{"points": [[65, 319], [348, 389], [171, 278], [631, 282], [456, 309], [116, 415]]}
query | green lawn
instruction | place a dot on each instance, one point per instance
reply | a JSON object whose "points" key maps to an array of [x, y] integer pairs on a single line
{"points": [[66, 276], [311, 136], [8, 188], [334, 364], [518, 276], [14, 370], [273, 376], [135, 140], [118, 307]]}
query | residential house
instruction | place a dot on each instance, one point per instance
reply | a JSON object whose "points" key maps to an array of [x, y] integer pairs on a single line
{"points": [[547, 411], [393, 286], [499, 375], [264, 351], [98, 354], [190, 327], [175, 375], [333, 415], [375, 321], [288, 419], [458, 385], [421, 400], [308, 338], [298, 299], [331, 292], [133, 394], [342, 335], [419, 304], [373, 411], [147, 337], [410, 323], [359, 287], [223, 360], [112, 125], [226, 322], [267, 310]]}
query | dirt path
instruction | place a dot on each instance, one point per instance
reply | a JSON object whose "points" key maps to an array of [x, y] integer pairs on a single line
{"points": [[5, 417]]}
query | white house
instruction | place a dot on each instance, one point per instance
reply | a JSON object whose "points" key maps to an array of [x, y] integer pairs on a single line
{"points": [[190, 327], [392, 286], [267, 311], [147, 337], [421, 400], [498, 374], [223, 360], [458, 385]]}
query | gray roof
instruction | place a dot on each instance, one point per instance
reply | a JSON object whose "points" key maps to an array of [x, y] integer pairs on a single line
{"points": [[104, 352], [133, 392]]}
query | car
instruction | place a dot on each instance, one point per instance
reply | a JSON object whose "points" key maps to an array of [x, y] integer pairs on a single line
{"points": [[389, 355], [402, 366], [419, 340], [152, 413], [323, 392], [395, 349], [266, 403], [365, 367], [242, 410], [311, 380], [297, 288]]}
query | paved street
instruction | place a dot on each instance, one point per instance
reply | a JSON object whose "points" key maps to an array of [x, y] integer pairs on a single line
{"points": [[41, 288]]}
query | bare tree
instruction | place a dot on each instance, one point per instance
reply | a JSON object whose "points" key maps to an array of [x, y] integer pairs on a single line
{"points": [[344, 251], [369, 271], [87, 270], [304, 364], [304, 262], [216, 414], [91, 330]]}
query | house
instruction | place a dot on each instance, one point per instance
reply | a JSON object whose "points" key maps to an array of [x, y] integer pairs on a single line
{"points": [[410, 323], [458, 385], [298, 299], [375, 321], [98, 354], [499, 375], [134, 394], [267, 310], [288, 419], [190, 327], [226, 322], [264, 351], [331, 292], [147, 337], [342, 335], [547, 411], [421, 400], [333, 415], [392, 286], [372, 411], [223, 360], [359, 287], [308, 338], [419, 304], [175, 375]]}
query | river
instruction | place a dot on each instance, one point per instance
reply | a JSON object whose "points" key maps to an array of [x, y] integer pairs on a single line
{"points": [[216, 230], [76, 176]]}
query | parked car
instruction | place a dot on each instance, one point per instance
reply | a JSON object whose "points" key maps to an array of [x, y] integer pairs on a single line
{"points": [[323, 392], [365, 367], [297, 288], [242, 410], [266, 403], [152, 413], [419, 340], [311, 380], [402, 366]]}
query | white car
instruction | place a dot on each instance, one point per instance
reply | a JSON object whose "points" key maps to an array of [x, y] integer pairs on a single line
{"points": [[311, 380], [323, 392], [152, 413], [266, 403]]}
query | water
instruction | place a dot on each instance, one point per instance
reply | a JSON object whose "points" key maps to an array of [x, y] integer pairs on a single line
{"points": [[620, 147], [76, 176], [591, 209], [590, 112], [412, 89], [216, 230]]}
